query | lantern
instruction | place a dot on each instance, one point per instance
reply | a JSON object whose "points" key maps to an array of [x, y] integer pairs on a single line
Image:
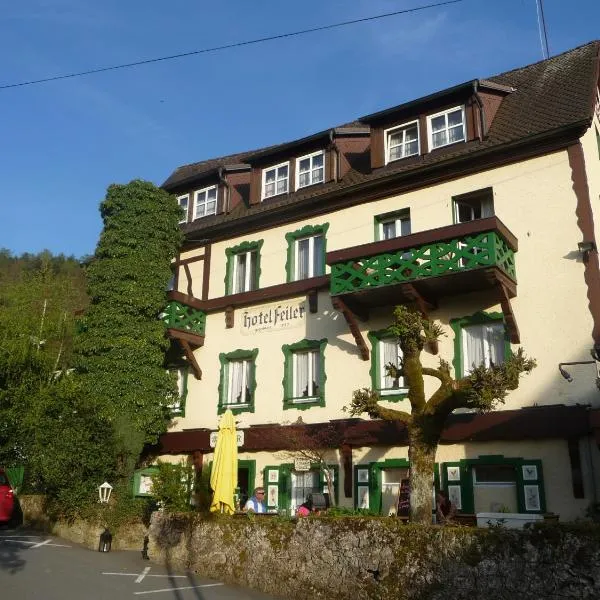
{"points": [[104, 492]]}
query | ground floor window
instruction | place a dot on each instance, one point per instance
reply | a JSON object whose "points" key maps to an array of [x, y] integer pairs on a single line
{"points": [[303, 484], [495, 488]]}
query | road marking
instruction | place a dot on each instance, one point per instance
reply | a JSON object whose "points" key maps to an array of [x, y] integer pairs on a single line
{"points": [[137, 575], [41, 544], [18, 536], [142, 575], [36, 544], [189, 587]]}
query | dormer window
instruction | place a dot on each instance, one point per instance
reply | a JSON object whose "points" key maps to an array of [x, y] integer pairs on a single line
{"points": [[402, 141], [276, 180], [184, 201], [310, 169], [205, 202], [447, 127]]}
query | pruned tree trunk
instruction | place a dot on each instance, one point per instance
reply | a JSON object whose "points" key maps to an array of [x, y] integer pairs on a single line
{"points": [[421, 456]]}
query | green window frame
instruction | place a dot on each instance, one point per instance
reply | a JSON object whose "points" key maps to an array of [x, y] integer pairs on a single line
{"points": [[248, 376], [290, 352], [376, 371], [232, 254], [293, 238], [400, 217], [177, 409], [529, 480], [140, 477], [479, 318]]}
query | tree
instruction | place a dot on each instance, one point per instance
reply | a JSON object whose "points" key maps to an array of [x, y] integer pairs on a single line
{"points": [[121, 347], [482, 390]]}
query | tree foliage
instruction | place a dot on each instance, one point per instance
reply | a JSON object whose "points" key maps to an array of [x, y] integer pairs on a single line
{"points": [[482, 390], [121, 345]]}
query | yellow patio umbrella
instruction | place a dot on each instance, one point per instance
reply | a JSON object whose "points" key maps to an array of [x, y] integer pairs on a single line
{"points": [[223, 479]]}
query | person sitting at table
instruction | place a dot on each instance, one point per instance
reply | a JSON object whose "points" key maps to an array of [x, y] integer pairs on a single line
{"points": [[305, 509], [256, 503]]}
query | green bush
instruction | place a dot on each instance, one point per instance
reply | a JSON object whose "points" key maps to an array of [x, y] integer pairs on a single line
{"points": [[172, 486]]}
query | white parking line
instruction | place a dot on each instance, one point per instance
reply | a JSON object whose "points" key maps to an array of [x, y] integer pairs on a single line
{"points": [[36, 544], [142, 575], [137, 575], [189, 587], [41, 544]]}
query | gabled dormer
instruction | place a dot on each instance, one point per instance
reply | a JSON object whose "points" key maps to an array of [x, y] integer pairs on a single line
{"points": [[434, 123], [218, 189], [310, 162]]}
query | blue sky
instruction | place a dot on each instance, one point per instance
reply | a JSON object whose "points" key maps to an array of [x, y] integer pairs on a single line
{"points": [[64, 142]]}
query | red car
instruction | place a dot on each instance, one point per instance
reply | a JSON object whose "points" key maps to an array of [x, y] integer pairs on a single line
{"points": [[7, 499]]}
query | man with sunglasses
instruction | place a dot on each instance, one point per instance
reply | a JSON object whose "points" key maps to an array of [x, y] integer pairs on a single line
{"points": [[256, 503]]}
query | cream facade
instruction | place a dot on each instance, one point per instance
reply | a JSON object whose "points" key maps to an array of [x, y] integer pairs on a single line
{"points": [[278, 343]]}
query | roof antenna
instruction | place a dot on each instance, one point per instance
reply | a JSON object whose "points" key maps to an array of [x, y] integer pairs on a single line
{"points": [[542, 29]]}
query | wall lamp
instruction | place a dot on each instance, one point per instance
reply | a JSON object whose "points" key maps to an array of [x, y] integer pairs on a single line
{"points": [[585, 248], [595, 352]]}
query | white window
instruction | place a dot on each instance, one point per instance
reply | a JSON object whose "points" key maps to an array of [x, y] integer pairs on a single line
{"points": [[184, 201], [307, 375], [475, 205], [310, 169], [276, 180], [239, 382], [446, 127], [402, 141], [303, 484], [310, 261], [389, 352], [495, 488], [205, 202], [482, 345], [394, 226], [244, 271]]}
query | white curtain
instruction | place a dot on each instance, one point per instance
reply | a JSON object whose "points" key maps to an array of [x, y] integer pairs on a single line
{"points": [[307, 374], [390, 353], [303, 258], [482, 345], [240, 279], [318, 256], [238, 372]]}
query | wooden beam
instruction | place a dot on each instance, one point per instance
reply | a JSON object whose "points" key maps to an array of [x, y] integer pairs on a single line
{"points": [[181, 334], [313, 301], [191, 358], [509, 315], [188, 276], [425, 305], [229, 317], [341, 306]]}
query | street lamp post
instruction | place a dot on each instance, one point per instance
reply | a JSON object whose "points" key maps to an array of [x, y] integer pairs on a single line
{"points": [[104, 492]]}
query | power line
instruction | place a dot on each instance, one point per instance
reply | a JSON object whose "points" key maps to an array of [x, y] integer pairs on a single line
{"points": [[227, 46], [542, 29]]}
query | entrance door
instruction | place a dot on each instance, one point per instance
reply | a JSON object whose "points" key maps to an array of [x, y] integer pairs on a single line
{"points": [[391, 479], [243, 476]]}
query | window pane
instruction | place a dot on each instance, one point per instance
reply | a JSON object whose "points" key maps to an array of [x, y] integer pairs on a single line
{"points": [[304, 165], [212, 194], [269, 190], [317, 161], [412, 134], [318, 175], [412, 148], [318, 256], [456, 134], [395, 152], [303, 258], [304, 179], [390, 353], [438, 139], [211, 208], [405, 227], [282, 186], [301, 375], [282, 172], [455, 118], [238, 387], [240, 273], [253, 284], [465, 213], [388, 230], [270, 176], [438, 123], [495, 340]]}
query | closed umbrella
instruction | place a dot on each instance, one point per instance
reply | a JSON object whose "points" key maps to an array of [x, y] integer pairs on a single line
{"points": [[223, 479]]}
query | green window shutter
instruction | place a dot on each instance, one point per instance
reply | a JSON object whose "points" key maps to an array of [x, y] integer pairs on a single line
{"points": [[530, 486], [375, 337], [478, 318], [271, 484], [224, 359], [457, 480], [288, 350], [292, 237], [231, 253], [362, 487], [142, 483]]}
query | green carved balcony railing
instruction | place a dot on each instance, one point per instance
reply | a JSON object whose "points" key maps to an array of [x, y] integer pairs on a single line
{"points": [[483, 247], [178, 315]]}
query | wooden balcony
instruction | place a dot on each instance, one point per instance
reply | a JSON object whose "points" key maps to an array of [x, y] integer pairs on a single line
{"points": [[451, 260], [185, 322]]}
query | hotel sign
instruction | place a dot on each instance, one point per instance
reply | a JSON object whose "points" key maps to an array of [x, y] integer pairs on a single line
{"points": [[270, 318]]}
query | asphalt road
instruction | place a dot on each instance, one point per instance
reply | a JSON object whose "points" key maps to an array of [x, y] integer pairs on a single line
{"points": [[42, 567]]}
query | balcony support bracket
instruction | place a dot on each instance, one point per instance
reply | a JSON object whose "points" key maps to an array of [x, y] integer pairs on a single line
{"points": [[186, 340], [509, 315], [189, 353], [411, 292], [350, 317]]}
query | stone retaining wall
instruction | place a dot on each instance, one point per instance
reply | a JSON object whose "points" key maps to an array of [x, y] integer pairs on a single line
{"points": [[350, 558]]}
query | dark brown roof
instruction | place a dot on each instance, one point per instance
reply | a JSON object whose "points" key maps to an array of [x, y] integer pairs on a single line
{"points": [[549, 97]]}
